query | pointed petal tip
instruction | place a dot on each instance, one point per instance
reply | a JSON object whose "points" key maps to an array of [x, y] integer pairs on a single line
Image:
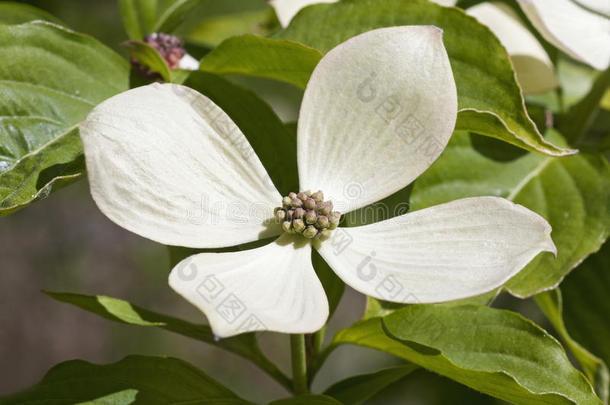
{"points": [[436, 30], [549, 245]]}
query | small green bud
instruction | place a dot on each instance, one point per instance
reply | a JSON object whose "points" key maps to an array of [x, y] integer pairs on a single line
{"points": [[310, 232], [325, 208], [298, 225], [310, 217], [322, 222], [308, 193], [280, 214], [309, 204], [324, 234], [318, 196], [334, 217], [296, 203], [302, 196], [287, 227], [292, 195], [298, 213], [286, 201], [289, 215]]}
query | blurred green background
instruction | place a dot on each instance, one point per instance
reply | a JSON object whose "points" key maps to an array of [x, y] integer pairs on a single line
{"points": [[64, 243]]}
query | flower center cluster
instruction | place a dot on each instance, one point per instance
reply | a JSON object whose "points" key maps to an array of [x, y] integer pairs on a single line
{"points": [[307, 213]]}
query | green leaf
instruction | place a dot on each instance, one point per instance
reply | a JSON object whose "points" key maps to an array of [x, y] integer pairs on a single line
{"points": [[138, 17], [149, 57], [19, 13], [586, 308], [143, 17], [489, 98], [125, 397], [249, 55], [214, 21], [378, 308], [307, 400], [572, 193], [333, 285], [550, 302], [357, 389], [122, 311], [581, 115], [147, 380], [273, 143], [50, 79], [171, 13], [493, 351]]}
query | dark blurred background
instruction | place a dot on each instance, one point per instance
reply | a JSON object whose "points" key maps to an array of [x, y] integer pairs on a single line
{"points": [[64, 243]]}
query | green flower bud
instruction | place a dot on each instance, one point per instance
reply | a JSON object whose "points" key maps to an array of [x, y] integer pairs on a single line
{"points": [[302, 196], [280, 214], [318, 196], [296, 203], [309, 204], [287, 227], [334, 218], [310, 217], [286, 201], [292, 195], [325, 208], [289, 215], [299, 213], [308, 193], [324, 234], [322, 222], [310, 232], [298, 225]]}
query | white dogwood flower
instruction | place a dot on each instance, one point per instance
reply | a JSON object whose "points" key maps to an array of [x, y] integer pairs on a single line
{"points": [[535, 71], [580, 28], [166, 163]]}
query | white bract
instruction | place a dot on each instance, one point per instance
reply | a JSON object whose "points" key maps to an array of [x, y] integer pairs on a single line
{"points": [[580, 28], [535, 71], [168, 164], [446, 3], [286, 9], [188, 63]]}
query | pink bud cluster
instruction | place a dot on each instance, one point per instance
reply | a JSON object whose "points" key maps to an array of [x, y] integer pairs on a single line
{"points": [[307, 213]]}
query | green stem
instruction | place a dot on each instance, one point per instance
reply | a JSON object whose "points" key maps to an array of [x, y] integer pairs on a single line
{"points": [[299, 364], [318, 360], [574, 123], [318, 341]]}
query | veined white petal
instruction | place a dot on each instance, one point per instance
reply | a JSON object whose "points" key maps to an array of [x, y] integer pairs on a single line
{"points": [[286, 9], [273, 288], [188, 63], [599, 6], [579, 32], [377, 111], [446, 252], [535, 70], [168, 164]]}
